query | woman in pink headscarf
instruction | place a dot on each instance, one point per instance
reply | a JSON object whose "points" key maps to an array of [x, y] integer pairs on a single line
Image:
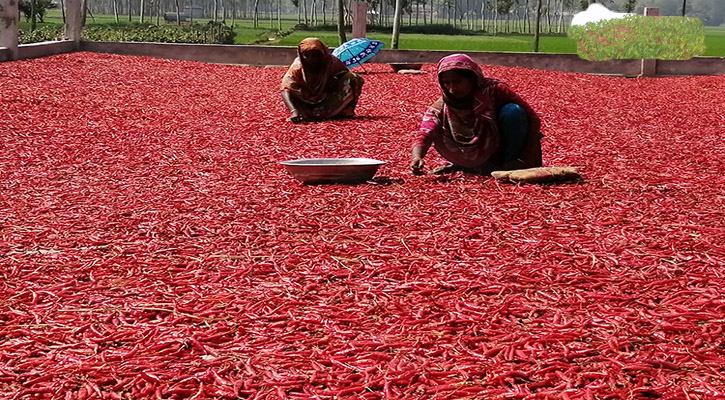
{"points": [[479, 124]]}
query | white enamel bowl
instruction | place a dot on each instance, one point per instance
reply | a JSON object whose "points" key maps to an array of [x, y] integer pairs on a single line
{"points": [[332, 170]]}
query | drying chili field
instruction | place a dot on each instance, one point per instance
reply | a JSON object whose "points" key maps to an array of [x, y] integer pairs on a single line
{"points": [[151, 246]]}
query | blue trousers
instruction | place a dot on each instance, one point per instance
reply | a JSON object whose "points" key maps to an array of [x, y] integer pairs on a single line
{"points": [[512, 126]]}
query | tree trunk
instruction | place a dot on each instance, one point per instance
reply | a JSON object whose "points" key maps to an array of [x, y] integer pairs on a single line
{"points": [[457, 15], [396, 23], [84, 12], [468, 15], [684, 7], [62, 10], [141, 16], [324, 12], [483, 15], [279, 15], [383, 20], [313, 13], [425, 17], [216, 10], [448, 12], [560, 25], [536, 28], [383, 17], [129, 10], [347, 8], [178, 13], [341, 22], [304, 7], [521, 17], [256, 14], [33, 18], [487, 17], [234, 12], [495, 17]]}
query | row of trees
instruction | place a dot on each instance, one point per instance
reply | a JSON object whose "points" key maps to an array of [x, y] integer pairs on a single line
{"points": [[486, 15], [467, 14]]}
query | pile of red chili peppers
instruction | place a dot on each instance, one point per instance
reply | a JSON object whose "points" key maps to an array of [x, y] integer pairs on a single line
{"points": [[151, 246]]}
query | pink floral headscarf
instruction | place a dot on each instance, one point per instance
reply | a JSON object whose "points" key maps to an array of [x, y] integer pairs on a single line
{"points": [[461, 61]]}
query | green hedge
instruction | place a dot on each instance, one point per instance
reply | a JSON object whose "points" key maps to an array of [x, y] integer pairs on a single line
{"points": [[42, 34], [640, 37], [211, 33]]}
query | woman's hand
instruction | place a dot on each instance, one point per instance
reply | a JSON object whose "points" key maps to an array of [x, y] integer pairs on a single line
{"points": [[417, 165], [295, 117]]}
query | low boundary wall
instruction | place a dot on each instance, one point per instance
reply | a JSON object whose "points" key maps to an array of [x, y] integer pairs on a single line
{"points": [[693, 66], [283, 56], [41, 49], [44, 49]]}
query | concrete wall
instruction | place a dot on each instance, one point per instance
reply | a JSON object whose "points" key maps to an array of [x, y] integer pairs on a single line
{"points": [[555, 62], [219, 54], [693, 66], [282, 56], [44, 49], [35, 50], [4, 54]]}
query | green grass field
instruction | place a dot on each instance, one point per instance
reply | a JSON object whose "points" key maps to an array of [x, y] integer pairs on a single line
{"points": [[715, 41], [500, 42], [266, 33]]}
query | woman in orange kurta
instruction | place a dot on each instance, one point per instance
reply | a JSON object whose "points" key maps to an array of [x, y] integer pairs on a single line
{"points": [[318, 85]]}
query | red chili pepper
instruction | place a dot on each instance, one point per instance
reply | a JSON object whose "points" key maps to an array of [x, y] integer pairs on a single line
{"points": [[153, 247]]}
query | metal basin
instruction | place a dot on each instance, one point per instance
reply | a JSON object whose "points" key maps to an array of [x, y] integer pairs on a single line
{"points": [[332, 170]]}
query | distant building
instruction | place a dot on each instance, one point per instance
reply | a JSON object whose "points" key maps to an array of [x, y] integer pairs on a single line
{"points": [[185, 15], [194, 12]]}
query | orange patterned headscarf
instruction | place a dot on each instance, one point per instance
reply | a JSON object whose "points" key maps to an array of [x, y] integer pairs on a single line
{"points": [[312, 44]]}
